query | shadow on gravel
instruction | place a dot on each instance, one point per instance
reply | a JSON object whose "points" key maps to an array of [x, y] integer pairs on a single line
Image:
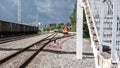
{"points": [[63, 41], [58, 51], [88, 55], [17, 49], [85, 55]]}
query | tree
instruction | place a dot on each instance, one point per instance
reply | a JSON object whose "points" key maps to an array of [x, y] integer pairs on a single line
{"points": [[85, 27], [73, 22], [73, 18]]}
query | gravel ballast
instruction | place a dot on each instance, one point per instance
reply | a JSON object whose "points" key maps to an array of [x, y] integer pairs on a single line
{"points": [[65, 57], [7, 49]]}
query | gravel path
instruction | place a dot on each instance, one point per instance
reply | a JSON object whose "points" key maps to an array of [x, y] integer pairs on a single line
{"points": [[65, 57], [7, 49]]}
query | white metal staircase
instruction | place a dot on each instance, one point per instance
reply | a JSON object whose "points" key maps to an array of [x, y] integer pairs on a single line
{"points": [[103, 19]]}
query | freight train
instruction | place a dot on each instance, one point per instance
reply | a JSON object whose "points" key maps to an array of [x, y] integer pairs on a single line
{"points": [[9, 29]]}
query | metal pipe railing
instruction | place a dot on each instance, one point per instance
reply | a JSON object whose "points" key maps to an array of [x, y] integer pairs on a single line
{"points": [[107, 23]]}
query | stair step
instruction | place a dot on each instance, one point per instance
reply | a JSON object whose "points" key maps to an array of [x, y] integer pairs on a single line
{"points": [[96, 40], [85, 3], [97, 45], [83, 0], [89, 18], [88, 13], [114, 65], [91, 22], [94, 37], [92, 27], [86, 8], [94, 34]]}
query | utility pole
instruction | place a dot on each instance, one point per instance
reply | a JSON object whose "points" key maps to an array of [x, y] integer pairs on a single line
{"points": [[37, 17], [19, 11]]}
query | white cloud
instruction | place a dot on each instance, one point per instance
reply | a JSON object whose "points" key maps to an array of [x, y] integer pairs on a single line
{"points": [[15, 1], [44, 6], [3, 7], [31, 17], [50, 10]]}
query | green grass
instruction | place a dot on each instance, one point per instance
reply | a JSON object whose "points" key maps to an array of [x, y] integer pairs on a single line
{"points": [[87, 39]]}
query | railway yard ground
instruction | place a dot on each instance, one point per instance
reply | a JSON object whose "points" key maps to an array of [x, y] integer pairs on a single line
{"points": [[49, 57]]}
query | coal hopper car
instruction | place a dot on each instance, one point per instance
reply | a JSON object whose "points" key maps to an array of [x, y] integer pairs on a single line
{"points": [[10, 29]]}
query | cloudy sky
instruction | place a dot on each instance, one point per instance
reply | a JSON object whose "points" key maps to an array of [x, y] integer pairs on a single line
{"points": [[49, 11]]}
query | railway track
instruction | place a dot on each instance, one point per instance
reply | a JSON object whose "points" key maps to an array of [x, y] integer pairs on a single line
{"points": [[30, 51], [22, 52], [9, 39]]}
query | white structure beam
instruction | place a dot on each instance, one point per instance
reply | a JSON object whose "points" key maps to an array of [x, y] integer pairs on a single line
{"points": [[79, 38], [101, 25], [114, 29]]}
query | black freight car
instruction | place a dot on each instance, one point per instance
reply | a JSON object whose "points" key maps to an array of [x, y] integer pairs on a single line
{"points": [[4, 28], [9, 28]]}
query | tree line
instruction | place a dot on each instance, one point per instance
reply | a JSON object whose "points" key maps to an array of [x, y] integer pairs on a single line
{"points": [[71, 25]]}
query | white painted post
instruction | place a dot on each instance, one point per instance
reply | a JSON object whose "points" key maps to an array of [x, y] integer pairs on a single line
{"points": [[79, 41], [101, 25], [19, 11], [114, 29]]}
